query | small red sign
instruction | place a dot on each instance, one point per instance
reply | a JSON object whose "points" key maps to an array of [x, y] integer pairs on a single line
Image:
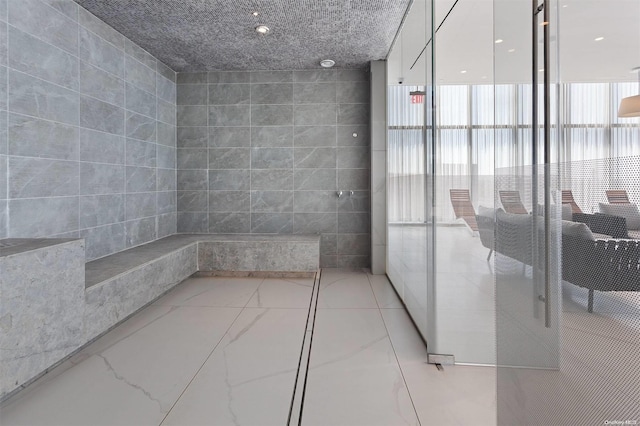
{"points": [[417, 99]]}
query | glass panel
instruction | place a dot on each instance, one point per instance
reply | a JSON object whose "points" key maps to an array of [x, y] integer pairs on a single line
{"points": [[574, 366], [408, 144]]}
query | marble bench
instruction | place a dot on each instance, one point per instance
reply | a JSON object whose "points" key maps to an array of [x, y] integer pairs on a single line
{"points": [[53, 303]]}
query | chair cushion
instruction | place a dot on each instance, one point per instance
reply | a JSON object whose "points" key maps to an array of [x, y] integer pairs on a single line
{"points": [[566, 213], [577, 229], [486, 212], [628, 211]]}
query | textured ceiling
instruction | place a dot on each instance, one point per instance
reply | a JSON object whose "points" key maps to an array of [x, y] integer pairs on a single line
{"points": [[203, 35]]}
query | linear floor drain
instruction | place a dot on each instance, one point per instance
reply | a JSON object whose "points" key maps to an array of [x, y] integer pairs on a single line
{"points": [[439, 367]]}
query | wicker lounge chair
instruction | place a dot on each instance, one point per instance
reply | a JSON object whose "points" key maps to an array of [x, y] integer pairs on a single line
{"points": [[511, 202], [617, 196]]}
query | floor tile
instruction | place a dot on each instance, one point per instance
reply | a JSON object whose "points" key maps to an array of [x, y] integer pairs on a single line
{"points": [[213, 292], [249, 378], [282, 293], [345, 289], [384, 293]]}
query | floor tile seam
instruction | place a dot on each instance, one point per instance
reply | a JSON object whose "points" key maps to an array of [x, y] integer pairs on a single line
{"points": [[603, 336], [201, 366]]}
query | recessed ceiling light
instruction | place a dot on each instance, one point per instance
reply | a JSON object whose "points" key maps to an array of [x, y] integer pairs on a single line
{"points": [[255, 13], [565, 5], [512, 50], [327, 63], [541, 70], [262, 29], [498, 41], [599, 38], [463, 72]]}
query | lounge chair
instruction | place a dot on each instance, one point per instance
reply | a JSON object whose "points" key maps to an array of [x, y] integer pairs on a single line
{"points": [[462, 207], [511, 202], [617, 196], [567, 198]]}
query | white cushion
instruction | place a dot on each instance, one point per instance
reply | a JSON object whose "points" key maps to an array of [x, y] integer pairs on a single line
{"points": [[577, 229], [486, 212], [628, 211], [566, 214]]}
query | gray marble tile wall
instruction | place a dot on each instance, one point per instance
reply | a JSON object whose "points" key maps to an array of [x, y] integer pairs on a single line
{"points": [[265, 152], [87, 130]]}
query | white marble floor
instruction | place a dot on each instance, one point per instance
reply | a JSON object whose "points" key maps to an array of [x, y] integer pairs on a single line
{"points": [[225, 351]]}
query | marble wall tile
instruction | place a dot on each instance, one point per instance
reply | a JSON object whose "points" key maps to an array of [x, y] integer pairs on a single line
{"points": [[315, 179], [216, 77], [353, 179], [192, 78], [315, 158], [346, 138], [271, 158], [316, 115], [314, 223], [353, 75], [192, 180], [192, 137], [41, 217], [28, 16], [314, 136], [167, 203], [140, 179], [98, 115], [315, 202], [229, 158], [314, 76], [272, 137], [101, 84], [140, 205], [31, 96], [102, 54], [167, 224], [140, 75], [315, 93], [166, 112], [101, 147], [166, 89], [98, 27], [4, 214], [99, 210], [3, 43], [271, 76], [354, 92], [141, 101], [354, 244], [39, 177], [360, 201], [69, 8], [101, 179], [193, 94], [230, 115], [272, 93], [328, 244], [167, 180], [228, 94], [191, 222], [230, 223], [167, 157], [328, 261], [354, 223], [271, 223], [37, 58], [354, 157], [220, 137], [229, 180], [353, 114], [193, 201], [192, 158], [139, 54], [271, 201], [140, 231], [272, 179], [192, 115], [3, 87], [140, 153], [140, 127], [353, 262], [103, 240], [167, 134], [271, 115], [30, 136], [229, 201]]}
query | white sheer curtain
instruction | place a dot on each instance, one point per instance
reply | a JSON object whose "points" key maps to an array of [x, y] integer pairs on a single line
{"points": [[485, 130]]}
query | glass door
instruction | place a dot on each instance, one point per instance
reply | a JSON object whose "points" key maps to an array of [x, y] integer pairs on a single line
{"points": [[567, 301]]}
